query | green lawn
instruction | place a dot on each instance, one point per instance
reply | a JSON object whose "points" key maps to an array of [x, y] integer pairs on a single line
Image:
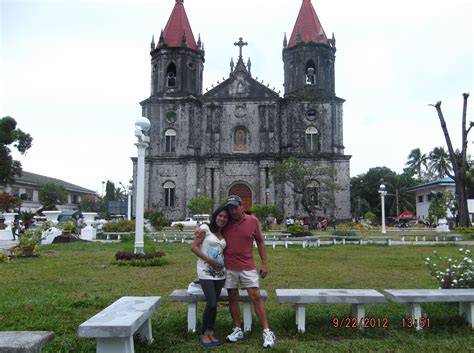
{"points": [[69, 283]]}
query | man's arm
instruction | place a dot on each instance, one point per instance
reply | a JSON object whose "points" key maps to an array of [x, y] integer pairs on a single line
{"points": [[259, 239]]}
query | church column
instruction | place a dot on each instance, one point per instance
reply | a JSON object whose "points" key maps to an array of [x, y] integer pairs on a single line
{"points": [[191, 183], [262, 185]]}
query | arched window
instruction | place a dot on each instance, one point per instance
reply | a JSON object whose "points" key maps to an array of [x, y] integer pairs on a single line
{"points": [[240, 139], [312, 139], [171, 75], [169, 189], [310, 77], [170, 141]]}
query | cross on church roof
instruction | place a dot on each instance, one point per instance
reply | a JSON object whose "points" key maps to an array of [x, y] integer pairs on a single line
{"points": [[240, 44]]}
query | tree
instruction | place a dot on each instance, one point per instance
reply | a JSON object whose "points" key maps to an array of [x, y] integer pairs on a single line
{"points": [[439, 163], [51, 194], [89, 203], [201, 205], [110, 194], [458, 160], [416, 162], [313, 183], [365, 195], [263, 211], [9, 134]]}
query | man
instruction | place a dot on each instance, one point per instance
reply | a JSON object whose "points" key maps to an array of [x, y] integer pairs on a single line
{"points": [[240, 233]]}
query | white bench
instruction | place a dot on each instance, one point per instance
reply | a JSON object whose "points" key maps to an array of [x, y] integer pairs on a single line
{"points": [[450, 237], [181, 295], [346, 238], [378, 239], [413, 298], [115, 326], [356, 297], [24, 341]]}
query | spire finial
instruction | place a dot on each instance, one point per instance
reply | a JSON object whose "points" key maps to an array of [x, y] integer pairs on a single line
{"points": [[183, 38], [285, 42], [152, 44], [199, 41], [240, 44], [231, 65]]}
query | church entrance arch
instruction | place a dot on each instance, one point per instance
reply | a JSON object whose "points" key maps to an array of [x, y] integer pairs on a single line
{"points": [[245, 194]]}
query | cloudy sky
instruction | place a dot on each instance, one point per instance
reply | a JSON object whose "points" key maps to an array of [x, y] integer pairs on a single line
{"points": [[73, 73]]}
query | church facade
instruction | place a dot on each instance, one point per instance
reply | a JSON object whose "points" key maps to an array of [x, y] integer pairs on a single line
{"points": [[227, 140]]}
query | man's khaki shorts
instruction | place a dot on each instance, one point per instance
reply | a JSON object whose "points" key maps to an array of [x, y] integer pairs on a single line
{"points": [[241, 279]]}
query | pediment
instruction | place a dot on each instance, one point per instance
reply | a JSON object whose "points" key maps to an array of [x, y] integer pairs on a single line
{"points": [[240, 85]]}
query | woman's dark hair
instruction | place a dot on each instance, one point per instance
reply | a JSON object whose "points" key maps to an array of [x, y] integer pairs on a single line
{"points": [[212, 225]]}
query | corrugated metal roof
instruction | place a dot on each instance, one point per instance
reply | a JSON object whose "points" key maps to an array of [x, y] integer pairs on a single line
{"points": [[439, 182], [36, 179]]}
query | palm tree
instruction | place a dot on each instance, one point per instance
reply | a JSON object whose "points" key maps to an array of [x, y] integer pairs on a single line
{"points": [[416, 161], [439, 163]]}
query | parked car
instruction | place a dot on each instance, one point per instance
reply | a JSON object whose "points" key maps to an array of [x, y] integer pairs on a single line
{"points": [[188, 222]]}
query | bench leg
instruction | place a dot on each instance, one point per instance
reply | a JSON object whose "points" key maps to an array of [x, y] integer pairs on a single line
{"points": [[358, 311], [466, 310], [413, 310], [273, 244], [389, 242], [115, 345], [247, 317], [343, 241], [300, 317], [192, 317], [286, 244], [145, 331]]}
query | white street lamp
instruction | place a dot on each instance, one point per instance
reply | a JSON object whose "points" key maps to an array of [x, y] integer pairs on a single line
{"points": [[142, 125], [382, 193]]}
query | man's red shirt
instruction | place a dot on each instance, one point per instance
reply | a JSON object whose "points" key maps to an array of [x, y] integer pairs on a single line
{"points": [[239, 236]]}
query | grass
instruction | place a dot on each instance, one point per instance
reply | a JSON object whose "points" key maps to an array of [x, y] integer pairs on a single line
{"points": [[69, 283]]}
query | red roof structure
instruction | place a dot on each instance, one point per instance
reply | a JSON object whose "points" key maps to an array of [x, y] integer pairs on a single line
{"points": [[407, 215], [307, 26], [178, 25]]}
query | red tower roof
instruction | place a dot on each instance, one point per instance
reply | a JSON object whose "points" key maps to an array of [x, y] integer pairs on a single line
{"points": [[177, 25], [307, 26]]}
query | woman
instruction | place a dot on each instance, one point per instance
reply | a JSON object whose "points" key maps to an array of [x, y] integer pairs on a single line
{"points": [[209, 247]]}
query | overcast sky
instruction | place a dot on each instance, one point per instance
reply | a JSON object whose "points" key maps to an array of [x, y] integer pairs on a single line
{"points": [[73, 73]]}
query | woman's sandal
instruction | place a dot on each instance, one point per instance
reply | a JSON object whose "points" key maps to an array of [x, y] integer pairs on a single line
{"points": [[206, 344], [215, 341]]}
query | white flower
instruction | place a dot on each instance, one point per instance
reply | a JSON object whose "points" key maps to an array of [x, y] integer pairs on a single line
{"points": [[449, 260], [468, 252], [461, 249], [428, 259]]}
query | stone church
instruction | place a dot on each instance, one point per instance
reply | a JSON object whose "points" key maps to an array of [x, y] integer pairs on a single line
{"points": [[225, 141]]}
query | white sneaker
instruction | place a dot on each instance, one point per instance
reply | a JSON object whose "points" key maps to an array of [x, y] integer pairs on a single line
{"points": [[236, 335], [268, 339]]}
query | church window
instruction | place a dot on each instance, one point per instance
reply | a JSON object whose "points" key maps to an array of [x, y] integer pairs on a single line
{"points": [[169, 188], [311, 114], [171, 75], [310, 77], [312, 139], [170, 141], [240, 139]]}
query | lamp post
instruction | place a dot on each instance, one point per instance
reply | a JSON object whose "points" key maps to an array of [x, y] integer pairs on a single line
{"points": [[142, 125], [267, 194], [382, 193]]}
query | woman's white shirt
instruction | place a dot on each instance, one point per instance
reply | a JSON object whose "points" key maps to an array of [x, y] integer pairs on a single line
{"points": [[212, 247]]}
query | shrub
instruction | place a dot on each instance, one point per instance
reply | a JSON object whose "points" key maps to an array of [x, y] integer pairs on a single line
{"points": [[298, 230], [125, 258], [452, 272], [121, 225], [158, 220], [69, 227], [179, 226], [4, 258]]}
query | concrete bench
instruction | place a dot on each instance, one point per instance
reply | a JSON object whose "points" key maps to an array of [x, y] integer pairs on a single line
{"points": [[115, 326], [305, 242], [380, 239], [350, 238], [413, 298], [24, 341], [418, 237], [332, 238], [450, 237], [356, 297], [114, 235], [181, 295]]}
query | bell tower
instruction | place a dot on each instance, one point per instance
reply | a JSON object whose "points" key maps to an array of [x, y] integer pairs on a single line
{"points": [[309, 57], [177, 60]]}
